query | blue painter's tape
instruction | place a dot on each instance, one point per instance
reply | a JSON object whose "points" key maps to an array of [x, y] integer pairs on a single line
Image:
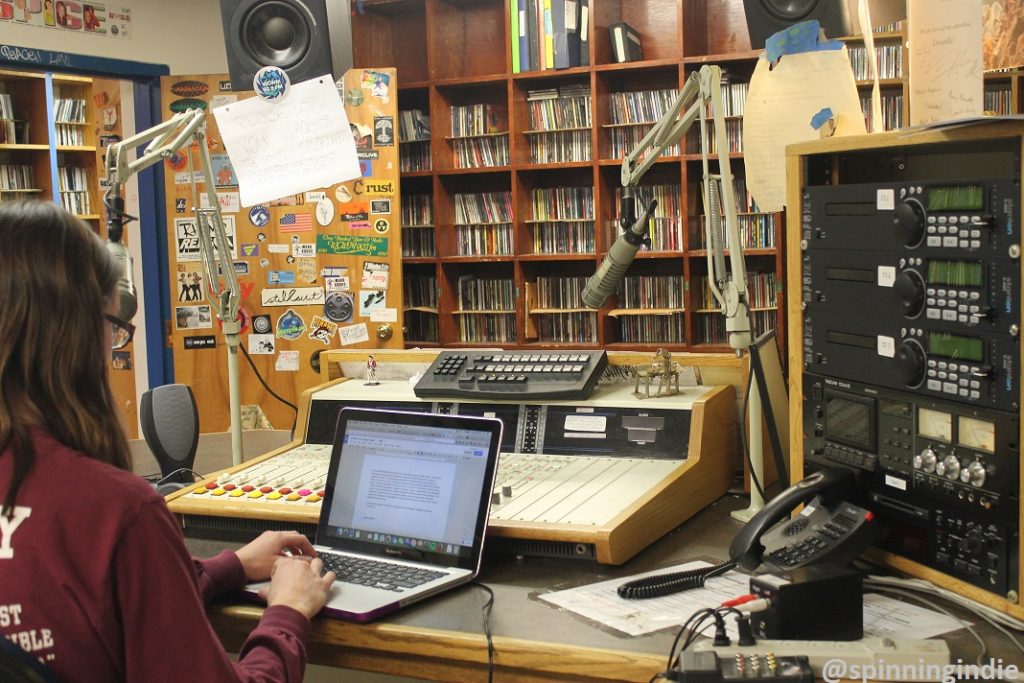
{"points": [[821, 118], [802, 37]]}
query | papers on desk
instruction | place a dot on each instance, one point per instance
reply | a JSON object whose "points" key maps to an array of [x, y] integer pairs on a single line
{"points": [[599, 602]]}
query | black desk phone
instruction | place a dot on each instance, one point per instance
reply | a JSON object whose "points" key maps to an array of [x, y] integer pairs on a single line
{"points": [[828, 529]]}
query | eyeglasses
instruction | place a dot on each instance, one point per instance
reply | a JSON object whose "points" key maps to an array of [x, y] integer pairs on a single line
{"points": [[121, 331]]}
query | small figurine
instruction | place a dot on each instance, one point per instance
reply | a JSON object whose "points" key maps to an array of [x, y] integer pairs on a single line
{"points": [[662, 368], [371, 372]]}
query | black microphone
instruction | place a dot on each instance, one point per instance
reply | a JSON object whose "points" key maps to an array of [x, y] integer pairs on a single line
{"points": [[604, 282], [129, 302]]}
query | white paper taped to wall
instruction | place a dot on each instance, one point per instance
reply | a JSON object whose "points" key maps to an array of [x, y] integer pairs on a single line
{"points": [[945, 60], [780, 105], [280, 148]]}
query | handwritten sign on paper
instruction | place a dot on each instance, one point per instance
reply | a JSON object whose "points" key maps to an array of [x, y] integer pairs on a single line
{"points": [[945, 60], [283, 148], [780, 106]]}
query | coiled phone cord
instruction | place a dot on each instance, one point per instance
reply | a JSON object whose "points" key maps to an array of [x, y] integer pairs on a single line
{"points": [[666, 584]]}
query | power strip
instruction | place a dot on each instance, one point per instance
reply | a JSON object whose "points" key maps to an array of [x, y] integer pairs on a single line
{"points": [[889, 659]]}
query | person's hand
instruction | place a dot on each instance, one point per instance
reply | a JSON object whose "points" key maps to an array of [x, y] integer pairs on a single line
{"points": [[296, 582], [259, 556]]}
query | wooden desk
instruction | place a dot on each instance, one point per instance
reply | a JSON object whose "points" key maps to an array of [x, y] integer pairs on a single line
{"points": [[442, 638]]}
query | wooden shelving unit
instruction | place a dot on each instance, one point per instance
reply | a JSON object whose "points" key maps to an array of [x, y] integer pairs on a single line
{"points": [[452, 53], [42, 135]]}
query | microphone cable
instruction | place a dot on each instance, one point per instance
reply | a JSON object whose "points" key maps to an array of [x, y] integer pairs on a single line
{"points": [[665, 584]]}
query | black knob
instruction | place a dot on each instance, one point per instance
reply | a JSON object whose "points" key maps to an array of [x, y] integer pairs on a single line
{"points": [[972, 544], [910, 288], [910, 363], [910, 221]]}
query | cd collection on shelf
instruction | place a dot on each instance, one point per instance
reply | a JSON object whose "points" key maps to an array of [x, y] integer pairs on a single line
{"points": [[16, 179], [757, 231], [631, 114], [666, 227], [762, 292], [483, 223], [560, 313], [69, 118], [652, 329], [486, 308], [419, 291], [418, 226], [889, 58], [999, 100], [710, 327], [479, 135], [892, 110], [73, 184], [652, 291], [563, 220], [560, 121]]}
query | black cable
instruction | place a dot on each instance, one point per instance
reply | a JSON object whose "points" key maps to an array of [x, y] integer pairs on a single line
{"points": [[743, 442], [271, 391], [487, 628], [665, 584]]}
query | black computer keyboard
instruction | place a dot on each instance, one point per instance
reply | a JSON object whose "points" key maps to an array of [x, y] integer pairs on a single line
{"points": [[570, 375], [383, 575]]}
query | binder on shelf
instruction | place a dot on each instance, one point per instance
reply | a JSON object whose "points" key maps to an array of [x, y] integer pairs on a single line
{"points": [[560, 37], [549, 37], [572, 30], [514, 35], [625, 42], [584, 26], [524, 40], [533, 34]]}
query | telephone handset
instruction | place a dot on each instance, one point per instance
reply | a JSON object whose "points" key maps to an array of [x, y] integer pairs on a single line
{"points": [[826, 530]]}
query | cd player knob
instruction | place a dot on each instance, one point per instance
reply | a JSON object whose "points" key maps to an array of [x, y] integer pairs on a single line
{"points": [[910, 363], [925, 460], [949, 467], [910, 288], [910, 219], [974, 474]]}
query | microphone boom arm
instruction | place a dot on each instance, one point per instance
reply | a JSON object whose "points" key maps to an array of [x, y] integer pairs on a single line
{"points": [[187, 131], [703, 91]]}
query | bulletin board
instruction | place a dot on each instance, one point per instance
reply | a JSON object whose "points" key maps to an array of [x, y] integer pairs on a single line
{"points": [[317, 270]]}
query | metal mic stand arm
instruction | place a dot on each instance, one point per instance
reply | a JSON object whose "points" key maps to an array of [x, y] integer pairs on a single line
{"points": [[728, 284], [179, 132]]}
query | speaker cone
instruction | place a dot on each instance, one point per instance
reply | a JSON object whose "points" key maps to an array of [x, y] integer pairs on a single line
{"points": [[790, 10], [277, 33]]}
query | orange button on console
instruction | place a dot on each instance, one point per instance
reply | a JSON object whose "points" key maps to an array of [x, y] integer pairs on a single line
{"points": [[294, 496]]}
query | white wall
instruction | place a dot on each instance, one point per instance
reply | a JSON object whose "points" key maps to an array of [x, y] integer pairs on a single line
{"points": [[186, 35]]}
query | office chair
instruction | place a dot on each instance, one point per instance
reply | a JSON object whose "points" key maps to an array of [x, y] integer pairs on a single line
{"points": [[18, 666], [170, 425]]}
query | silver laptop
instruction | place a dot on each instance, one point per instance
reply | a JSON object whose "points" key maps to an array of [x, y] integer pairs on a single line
{"points": [[405, 507]]}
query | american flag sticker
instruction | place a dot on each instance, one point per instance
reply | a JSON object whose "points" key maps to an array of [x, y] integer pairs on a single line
{"points": [[296, 222]]}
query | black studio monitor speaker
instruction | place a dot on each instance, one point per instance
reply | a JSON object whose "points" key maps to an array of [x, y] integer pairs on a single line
{"points": [[837, 17], [170, 425], [306, 38]]}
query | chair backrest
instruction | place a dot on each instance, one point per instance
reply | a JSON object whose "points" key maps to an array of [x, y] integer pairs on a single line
{"points": [[170, 425], [18, 666]]}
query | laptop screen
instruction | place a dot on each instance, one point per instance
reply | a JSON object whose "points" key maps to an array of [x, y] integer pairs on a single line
{"points": [[411, 486]]}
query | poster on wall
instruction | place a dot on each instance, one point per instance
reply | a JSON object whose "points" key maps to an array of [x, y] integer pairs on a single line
{"points": [[100, 19]]}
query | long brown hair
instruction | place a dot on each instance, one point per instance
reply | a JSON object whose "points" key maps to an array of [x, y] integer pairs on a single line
{"points": [[56, 279]]}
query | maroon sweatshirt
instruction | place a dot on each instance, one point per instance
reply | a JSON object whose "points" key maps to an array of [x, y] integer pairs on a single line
{"points": [[96, 582]]}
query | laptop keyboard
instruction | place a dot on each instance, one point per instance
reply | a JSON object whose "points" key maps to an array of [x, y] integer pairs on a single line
{"points": [[382, 575]]}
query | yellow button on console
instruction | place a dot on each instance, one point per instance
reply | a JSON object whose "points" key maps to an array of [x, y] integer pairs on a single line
{"points": [[273, 496], [217, 492], [236, 493], [294, 496], [255, 494]]}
